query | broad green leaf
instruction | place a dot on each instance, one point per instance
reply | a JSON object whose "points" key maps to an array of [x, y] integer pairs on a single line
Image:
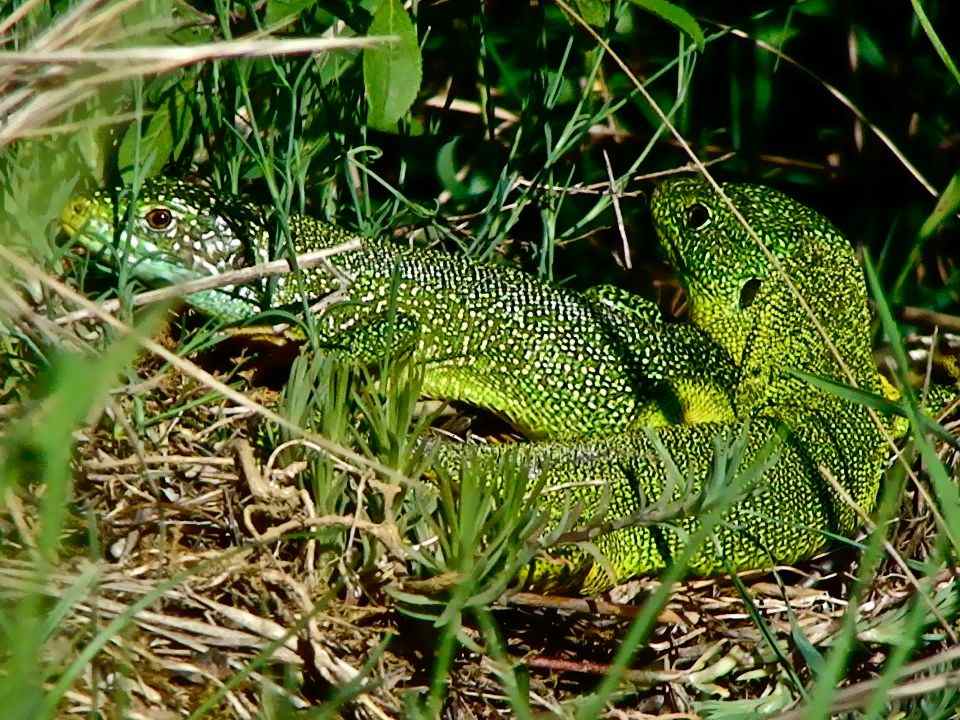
{"points": [[278, 10], [946, 206], [447, 170], [164, 136], [594, 12], [391, 72], [155, 146], [676, 16]]}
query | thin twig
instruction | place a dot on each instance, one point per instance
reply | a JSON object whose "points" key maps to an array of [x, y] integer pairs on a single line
{"points": [[923, 316], [177, 55], [192, 370], [158, 460], [212, 282], [586, 606], [615, 198], [599, 188]]}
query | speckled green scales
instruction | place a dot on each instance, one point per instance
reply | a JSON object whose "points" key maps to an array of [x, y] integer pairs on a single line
{"points": [[554, 362], [498, 338], [743, 304], [779, 519]]}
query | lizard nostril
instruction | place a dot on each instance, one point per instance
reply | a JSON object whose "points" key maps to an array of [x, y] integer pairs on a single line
{"points": [[75, 214]]}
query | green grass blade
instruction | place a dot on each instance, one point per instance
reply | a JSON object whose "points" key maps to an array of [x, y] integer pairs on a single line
{"points": [[935, 39], [947, 205], [946, 489], [641, 626]]}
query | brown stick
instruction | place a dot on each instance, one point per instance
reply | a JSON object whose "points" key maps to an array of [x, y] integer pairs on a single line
{"points": [[234, 277], [930, 317]]}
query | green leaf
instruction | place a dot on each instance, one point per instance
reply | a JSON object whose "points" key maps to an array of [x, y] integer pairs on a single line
{"points": [[869, 49], [278, 10], [391, 72], [851, 394], [811, 656], [148, 151], [877, 402], [447, 170], [815, 8], [946, 206], [594, 12], [164, 137], [676, 16]]}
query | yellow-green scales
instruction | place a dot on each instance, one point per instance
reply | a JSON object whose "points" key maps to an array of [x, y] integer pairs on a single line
{"points": [[596, 371]]}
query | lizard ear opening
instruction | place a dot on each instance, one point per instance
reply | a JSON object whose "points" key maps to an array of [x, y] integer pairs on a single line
{"points": [[697, 216], [748, 292]]}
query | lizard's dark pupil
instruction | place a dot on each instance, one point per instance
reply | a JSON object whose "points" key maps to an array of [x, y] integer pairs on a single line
{"points": [[159, 218], [697, 216]]}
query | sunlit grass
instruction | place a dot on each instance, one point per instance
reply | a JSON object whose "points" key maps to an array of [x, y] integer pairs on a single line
{"points": [[292, 131]]}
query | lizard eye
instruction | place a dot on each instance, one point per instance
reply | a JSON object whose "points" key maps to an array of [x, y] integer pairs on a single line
{"points": [[698, 216], [159, 218], [748, 293]]}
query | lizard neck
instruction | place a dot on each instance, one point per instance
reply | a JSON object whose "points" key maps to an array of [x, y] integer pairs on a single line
{"points": [[307, 234], [791, 339], [775, 334]]}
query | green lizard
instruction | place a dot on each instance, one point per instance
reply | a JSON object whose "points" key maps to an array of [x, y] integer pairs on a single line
{"points": [[795, 434], [790, 430], [554, 362]]}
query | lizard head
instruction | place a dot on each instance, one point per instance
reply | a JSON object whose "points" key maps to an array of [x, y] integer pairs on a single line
{"points": [[739, 296], [171, 230]]}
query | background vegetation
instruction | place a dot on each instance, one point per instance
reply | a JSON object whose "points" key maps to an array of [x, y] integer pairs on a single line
{"points": [[500, 129]]}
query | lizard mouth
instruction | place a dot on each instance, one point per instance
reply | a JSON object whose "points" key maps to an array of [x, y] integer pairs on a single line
{"points": [[663, 204], [82, 223]]}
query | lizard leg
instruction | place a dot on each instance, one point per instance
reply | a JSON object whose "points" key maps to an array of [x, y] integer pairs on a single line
{"points": [[697, 373], [639, 309], [366, 340]]}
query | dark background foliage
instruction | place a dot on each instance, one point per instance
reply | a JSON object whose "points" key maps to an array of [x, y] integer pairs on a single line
{"points": [[783, 124]]}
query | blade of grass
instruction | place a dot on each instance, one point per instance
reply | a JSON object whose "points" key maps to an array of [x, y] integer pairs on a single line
{"points": [[946, 490], [828, 680], [592, 706], [877, 402], [935, 39]]}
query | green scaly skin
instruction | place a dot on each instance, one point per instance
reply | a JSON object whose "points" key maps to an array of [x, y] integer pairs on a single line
{"points": [[744, 306], [555, 363]]}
